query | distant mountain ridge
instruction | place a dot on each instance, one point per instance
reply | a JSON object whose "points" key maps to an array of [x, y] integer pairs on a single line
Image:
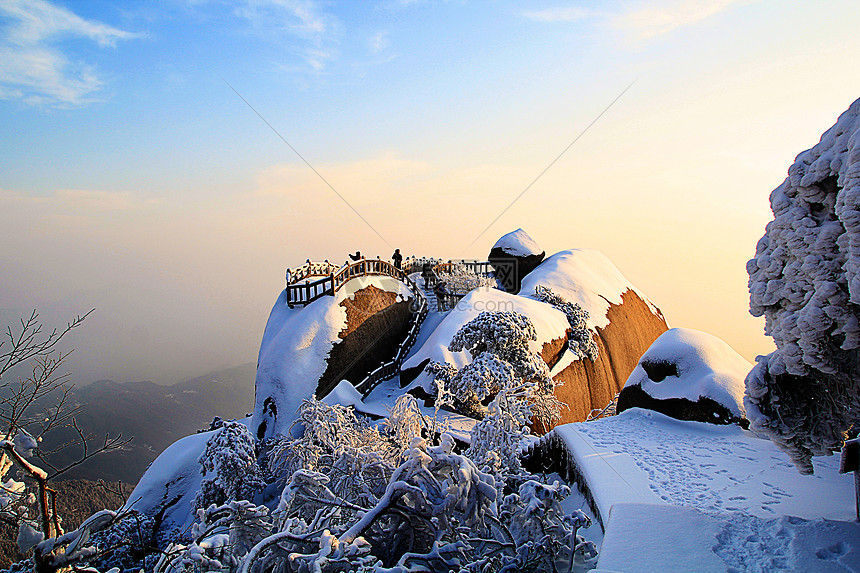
{"points": [[155, 415]]}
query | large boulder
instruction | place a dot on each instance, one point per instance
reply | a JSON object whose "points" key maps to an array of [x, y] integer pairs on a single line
{"points": [[622, 322], [689, 375], [307, 351], [513, 257]]}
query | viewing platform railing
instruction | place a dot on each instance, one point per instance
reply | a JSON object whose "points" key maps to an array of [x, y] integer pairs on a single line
{"points": [[302, 291]]}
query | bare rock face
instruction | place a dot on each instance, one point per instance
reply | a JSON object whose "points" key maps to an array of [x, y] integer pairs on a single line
{"points": [[308, 350], [376, 322], [587, 385], [513, 257]]}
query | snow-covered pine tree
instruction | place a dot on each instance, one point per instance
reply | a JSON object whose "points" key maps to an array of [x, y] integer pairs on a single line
{"points": [[580, 340], [805, 281], [230, 466], [502, 362]]}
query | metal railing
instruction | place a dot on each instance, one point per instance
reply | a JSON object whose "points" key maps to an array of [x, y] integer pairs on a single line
{"points": [[482, 268], [333, 278], [390, 369]]}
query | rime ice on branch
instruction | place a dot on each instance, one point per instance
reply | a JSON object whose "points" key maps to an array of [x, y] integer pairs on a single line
{"points": [[805, 281]]}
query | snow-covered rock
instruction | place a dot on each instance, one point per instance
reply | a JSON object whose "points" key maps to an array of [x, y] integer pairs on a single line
{"points": [[550, 324], [513, 257], [168, 488], [298, 358], [585, 277], [518, 244], [622, 320], [689, 375]]}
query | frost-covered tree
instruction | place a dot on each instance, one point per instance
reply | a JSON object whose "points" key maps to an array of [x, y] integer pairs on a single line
{"points": [[502, 362], [460, 279], [230, 466], [580, 340], [221, 538], [439, 512], [355, 456], [512, 377], [805, 281]]}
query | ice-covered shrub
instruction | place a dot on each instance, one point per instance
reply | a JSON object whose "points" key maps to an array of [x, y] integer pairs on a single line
{"points": [[543, 533], [434, 502], [221, 537], [230, 466], [406, 421], [127, 544], [356, 458], [495, 440], [503, 362], [439, 513], [580, 340], [805, 281], [461, 280]]}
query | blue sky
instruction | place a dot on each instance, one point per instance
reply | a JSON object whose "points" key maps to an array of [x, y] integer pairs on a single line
{"points": [[134, 180]]}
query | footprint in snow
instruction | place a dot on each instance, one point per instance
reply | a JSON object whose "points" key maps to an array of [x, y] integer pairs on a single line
{"points": [[833, 552]]}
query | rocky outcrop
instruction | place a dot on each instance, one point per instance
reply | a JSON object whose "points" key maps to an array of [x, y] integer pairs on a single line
{"points": [[586, 385], [376, 322], [308, 350], [621, 320], [689, 375], [513, 257]]}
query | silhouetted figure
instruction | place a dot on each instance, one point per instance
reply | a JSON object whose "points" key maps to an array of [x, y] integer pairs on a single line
{"points": [[427, 273], [357, 256], [397, 258], [441, 293]]}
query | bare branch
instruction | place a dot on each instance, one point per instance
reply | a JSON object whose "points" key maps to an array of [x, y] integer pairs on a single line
{"points": [[26, 345]]}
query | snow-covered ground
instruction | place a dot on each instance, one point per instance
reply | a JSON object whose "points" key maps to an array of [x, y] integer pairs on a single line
{"points": [[687, 496]]}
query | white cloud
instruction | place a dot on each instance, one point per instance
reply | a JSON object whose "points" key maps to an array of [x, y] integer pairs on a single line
{"points": [[32, 65], [559, 14], [379, 42], [642, 20], [302, 19], [650, 19]]}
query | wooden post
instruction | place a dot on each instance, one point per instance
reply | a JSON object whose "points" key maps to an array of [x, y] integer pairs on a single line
{"points": [[850, 462]]}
